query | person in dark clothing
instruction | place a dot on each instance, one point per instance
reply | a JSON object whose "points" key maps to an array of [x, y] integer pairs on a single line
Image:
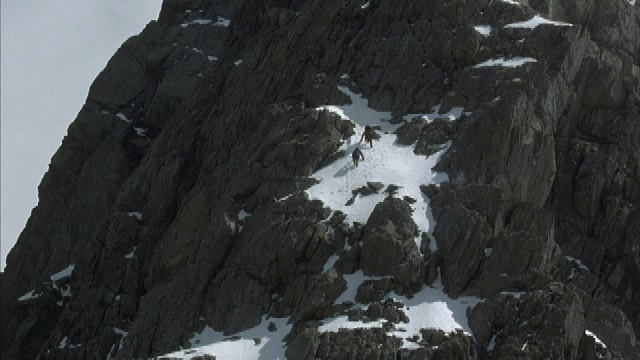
{"points": [[356, 155], [369, 135]]}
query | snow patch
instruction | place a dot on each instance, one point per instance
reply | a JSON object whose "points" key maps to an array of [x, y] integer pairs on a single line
{"points": [[513, 62], [515, 294], [492, 343], [510, 2], [135, 214], [243, 214], [129, 256], [484, 30], [123, 335], [237, 62], [31, 295], [140, 131], [66, 272], [123, 117], [255, 343], [365, 5], [196, 22], [430, 308], [589, 333], [65, 343], [535, 22], [223, 22], [386, 162], [330, 262], [66, 291], [577, 262]]}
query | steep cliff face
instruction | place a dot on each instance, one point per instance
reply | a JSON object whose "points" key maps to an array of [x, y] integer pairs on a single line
{"points": [[200, 189]]}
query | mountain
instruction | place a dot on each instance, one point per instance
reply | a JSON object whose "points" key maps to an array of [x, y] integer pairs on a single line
{"points": [[204, 202]]}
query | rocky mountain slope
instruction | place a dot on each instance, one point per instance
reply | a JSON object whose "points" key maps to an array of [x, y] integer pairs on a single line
{"points": [[197, 205]]}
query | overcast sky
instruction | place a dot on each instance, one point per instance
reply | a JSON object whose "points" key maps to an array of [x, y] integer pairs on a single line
{"points": [[50, 53]]}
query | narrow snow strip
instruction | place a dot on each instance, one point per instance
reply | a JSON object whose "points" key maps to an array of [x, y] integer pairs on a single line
{"points": [[63, 342], [534, 22], [31, 295], [330, 262], [66, 291], [430, 308], [135, 214], [589, 333], [140, 131], [484, 30], [515, 294], [365, 5], [386, 162], [492, 343], [243, 214], [63, 273], [255, 343], [196, 22], [452, 115], [577, 262], [123, 335], [513, 62], [223, 22], [510, 2], [122, 117]]}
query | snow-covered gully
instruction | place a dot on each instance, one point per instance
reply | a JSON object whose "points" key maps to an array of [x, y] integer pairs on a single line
{"points": [[388, 163]]}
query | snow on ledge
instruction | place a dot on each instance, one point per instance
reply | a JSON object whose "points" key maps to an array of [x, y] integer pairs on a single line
{"points": [[589, 333], [484, 30], [512, 63], [534, 22], [255, 343], [430, 308], [63, 273], [196, 22], [223, 22], [31, 295]]}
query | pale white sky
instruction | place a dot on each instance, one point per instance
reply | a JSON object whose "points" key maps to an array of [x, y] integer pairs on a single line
{"points": [[50, 53]]}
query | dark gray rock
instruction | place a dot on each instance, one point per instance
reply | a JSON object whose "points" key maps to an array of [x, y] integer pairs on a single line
{"points": [[532, 319], [522, 256], [390, 230], [460, 234]]}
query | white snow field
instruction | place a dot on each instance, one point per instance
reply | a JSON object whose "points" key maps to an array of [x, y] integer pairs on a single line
{"points": [[255, 343], [385, 162], [513, 62], [534, 22]]}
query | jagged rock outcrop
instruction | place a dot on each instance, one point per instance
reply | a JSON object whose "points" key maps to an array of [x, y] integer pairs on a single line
{"points": [[177, 199]]}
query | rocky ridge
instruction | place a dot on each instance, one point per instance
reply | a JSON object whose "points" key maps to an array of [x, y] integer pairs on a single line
{"points": [[210, 113]]}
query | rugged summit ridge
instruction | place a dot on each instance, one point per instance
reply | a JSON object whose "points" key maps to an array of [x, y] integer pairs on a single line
{"points": [[177, 203]]}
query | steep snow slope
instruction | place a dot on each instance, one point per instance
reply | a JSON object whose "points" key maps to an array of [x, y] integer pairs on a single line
{"points": [[388, 163]]}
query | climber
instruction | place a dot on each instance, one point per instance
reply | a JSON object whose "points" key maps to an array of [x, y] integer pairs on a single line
{"points": [[369, 135], [356, 155]]}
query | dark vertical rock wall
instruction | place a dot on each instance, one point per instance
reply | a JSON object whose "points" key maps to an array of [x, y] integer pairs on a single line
{"points": [[177, 136]]}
